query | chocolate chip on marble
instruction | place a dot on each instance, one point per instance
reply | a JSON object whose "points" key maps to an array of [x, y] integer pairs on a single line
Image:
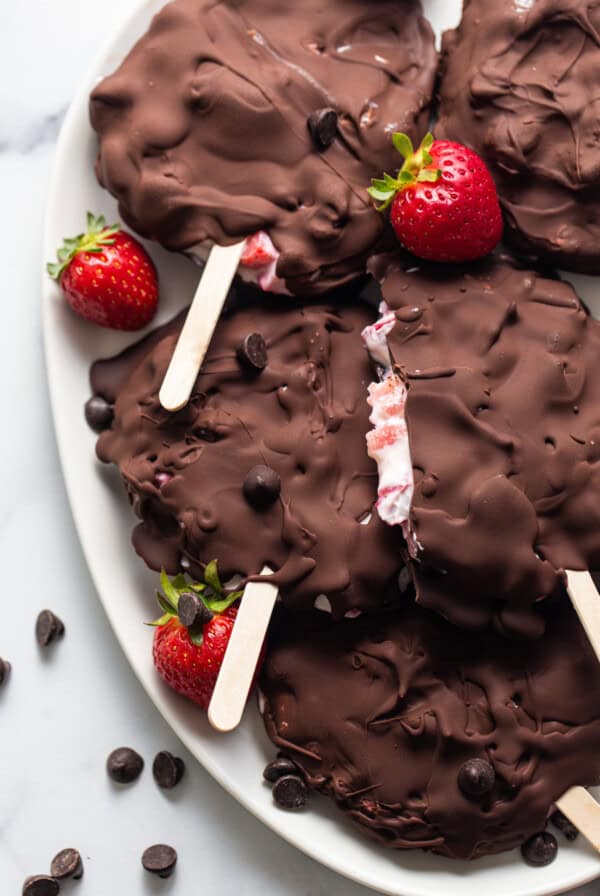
{"points": [[124, 765], [5, 668], [48, 628], [253, 352], [290, 792], [278, 768], [167, 770], [539, 850], [322, 125], [564, 825], [476, 777], [192, 611], [99, 414], [41, 885], [262, 487], [67, 864], [160, 860]]}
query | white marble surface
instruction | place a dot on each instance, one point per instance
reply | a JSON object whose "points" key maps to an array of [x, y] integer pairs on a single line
{"points": [[64, 711]]}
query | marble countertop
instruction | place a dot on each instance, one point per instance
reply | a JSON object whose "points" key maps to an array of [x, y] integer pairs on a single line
{"points": [[64, 711]]}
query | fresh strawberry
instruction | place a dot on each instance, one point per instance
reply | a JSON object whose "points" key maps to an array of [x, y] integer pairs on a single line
{"points": [[107, 277], [192, 635], [444, 204]]}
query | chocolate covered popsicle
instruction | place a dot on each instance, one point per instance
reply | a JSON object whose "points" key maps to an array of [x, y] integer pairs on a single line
{"points": [[253, 119], [487, 435]]}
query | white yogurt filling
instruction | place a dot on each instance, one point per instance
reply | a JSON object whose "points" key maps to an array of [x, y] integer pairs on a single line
{"points": [[258, 264]]}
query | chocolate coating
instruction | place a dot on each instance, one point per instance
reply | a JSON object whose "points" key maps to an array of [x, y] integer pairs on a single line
{"points": [[203, 129], [305, 417], [520, 86], [503, 415], [381, 712]]}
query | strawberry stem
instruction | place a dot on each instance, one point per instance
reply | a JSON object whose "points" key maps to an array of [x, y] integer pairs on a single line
{"points": [[96, 237], [417, 168]]}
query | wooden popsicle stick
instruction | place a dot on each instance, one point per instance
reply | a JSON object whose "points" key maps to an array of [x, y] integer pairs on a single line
{"points": [[583, 811], [242, 654], [586, 600], [194, 339]]}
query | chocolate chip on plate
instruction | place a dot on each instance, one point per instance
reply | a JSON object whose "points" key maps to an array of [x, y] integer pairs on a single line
{"points": [[4, 670], [41, 885], [564, 825], [167, 769], [192, 611], [48, 628], [322, 125], [99, 414], [290, 792], [476, 777], [253, 352], [539, 850], [278, 768], [124, 765], [262, 487], [67, 864], [160, 860]]}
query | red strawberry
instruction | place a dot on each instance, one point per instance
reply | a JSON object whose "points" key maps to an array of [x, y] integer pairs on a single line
{"points": [[192, 636], [107, 277], [444, 204]]}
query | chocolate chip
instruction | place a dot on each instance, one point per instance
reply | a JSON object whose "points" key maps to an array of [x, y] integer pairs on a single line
{"points": [[322, 125], [566, 827], [48, 628], [476, 777], [278, 768], [539, 850], [41, 885], [192, 611], [124, 765], [99, 414], [167, 770], [4, 670], [67, 864], [253, 352], [160, 859], [262, 487], [290, 792]]}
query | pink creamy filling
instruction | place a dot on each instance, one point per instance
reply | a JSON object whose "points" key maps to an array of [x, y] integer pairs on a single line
{"points": [[258, 263], [388, 442]]}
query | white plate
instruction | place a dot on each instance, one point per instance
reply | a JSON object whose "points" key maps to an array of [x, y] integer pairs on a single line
{"points": [[126, 588]]}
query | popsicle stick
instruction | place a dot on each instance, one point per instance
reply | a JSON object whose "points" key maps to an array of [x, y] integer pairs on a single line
{"points": [[239, 663], [198, 329], [583, 811], [586, 600]]}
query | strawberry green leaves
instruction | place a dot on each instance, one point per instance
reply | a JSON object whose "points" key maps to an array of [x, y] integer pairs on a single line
{"points": [[415, 169], [94, 240]]}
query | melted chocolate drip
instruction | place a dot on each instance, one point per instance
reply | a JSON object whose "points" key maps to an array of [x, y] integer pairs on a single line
{"points": [[520, 86], [381, 713], [305, 416], [508, 430], [203, 129]]}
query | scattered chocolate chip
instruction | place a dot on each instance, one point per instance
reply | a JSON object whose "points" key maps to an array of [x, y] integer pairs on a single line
{"points": [[192, 611], [167, 770], [539, 850], [41, 885], [160, 860], [48, 628], [253, 352], [278, 768], [476, 777], [124, 765], [67, 864], [566, 827], [322, 125], [290, 792], [4, 670], [99, 414], [262, 487]]}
